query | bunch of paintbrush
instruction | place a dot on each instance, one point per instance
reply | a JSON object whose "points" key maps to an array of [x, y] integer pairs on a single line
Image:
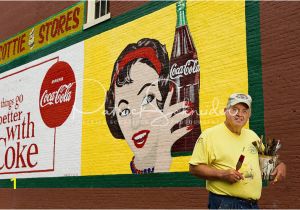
{"points": [[258, 145], [271, 146]]}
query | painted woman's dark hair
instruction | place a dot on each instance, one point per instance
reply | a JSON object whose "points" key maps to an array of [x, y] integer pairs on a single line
{"points": [[148, 51]]}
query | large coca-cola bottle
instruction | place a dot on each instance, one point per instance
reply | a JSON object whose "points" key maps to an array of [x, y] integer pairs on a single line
{"points": [[185, 77]]}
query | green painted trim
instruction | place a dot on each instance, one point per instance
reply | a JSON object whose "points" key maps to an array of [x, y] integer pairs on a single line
{"points": [[134, 14], [265, 183], [255, 66], [178, 179], [177, 154]]}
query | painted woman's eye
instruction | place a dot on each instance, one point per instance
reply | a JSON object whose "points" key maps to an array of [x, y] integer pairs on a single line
{"points": [[147, 99], [124, 112]]}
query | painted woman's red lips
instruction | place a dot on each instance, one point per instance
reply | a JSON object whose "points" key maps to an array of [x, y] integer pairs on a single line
{"points": [[139, 139]]}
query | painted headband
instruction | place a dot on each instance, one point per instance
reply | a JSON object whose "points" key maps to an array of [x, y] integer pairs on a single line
{"points": [[144, 52]]}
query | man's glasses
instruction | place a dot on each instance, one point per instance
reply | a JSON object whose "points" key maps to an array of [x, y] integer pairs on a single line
{"points": [[233, 111]]}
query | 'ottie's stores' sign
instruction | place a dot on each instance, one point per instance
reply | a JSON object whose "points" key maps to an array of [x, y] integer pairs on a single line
{"points": [[53, 29]]}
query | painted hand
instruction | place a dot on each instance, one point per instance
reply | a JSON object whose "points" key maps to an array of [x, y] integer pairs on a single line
{"points": [[171, 115]]}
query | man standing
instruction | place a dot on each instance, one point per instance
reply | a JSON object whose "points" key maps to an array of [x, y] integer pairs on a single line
{"points": [[217, 152]]}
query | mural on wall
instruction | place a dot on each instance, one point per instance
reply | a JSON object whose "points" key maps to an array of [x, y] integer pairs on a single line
{"points": [[153, 112], [131, 100], [138, 108], [145, 107], [40, 118], [185, 78]]}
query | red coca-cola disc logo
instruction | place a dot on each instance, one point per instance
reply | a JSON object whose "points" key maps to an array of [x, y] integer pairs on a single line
{"points": [[57, 94]]}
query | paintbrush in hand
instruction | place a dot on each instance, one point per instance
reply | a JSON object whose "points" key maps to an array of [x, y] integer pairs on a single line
{"points": [[240, 162]]}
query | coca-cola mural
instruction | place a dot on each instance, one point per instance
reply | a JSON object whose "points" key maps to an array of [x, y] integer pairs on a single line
{"points": [[185, 78], [139, 109], [57, 94], [129, 100], [152, 85], [156, 114], [190, 67], [40, 116]]}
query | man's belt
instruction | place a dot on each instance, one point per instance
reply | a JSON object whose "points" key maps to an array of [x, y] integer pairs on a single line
{"points": [[250, 201]]}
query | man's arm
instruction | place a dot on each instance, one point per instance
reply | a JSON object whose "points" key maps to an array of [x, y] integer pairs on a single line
{"points": [[206, 172]]}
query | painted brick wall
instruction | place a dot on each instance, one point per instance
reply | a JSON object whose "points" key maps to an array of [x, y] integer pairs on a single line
{"points": [[17, 16]]}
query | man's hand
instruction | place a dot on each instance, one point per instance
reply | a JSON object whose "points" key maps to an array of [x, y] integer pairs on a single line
{"points": [[279, 173], [231, 176], [207, 172]]}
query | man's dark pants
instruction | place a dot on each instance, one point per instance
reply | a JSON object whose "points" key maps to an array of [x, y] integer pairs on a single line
{"points": [[228, 202]]}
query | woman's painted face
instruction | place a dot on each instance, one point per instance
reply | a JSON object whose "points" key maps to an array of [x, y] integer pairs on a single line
{"points": [[136, 108]]}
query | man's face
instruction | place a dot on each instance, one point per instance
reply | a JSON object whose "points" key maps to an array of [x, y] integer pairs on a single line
{"points": [[238, 115]]}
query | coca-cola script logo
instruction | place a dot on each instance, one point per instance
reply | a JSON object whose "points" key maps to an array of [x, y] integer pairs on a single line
{"points": [[190, 67], [57, 94]]}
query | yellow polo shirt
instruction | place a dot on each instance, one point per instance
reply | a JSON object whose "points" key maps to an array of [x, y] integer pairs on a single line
{"points": [[219, 148]]}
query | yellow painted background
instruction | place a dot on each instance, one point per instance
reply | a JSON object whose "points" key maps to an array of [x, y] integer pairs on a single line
{"points": [[219, 33]]}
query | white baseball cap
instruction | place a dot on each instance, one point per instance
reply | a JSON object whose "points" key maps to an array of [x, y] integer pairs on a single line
{"points": [[236, 98]]}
